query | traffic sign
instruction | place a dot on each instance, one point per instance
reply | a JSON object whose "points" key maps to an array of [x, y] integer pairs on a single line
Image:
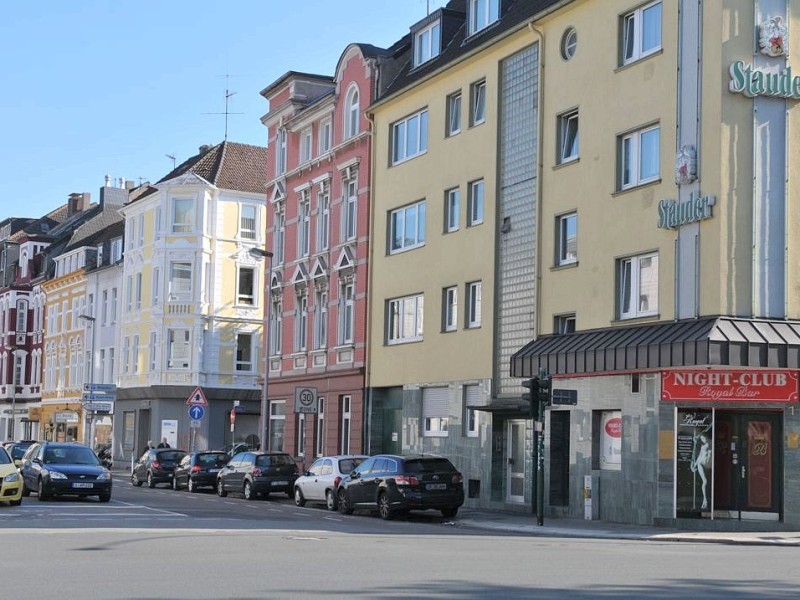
{"points": [[197, 411], [198, 396], [305, 400], [194, 424], [233, 416], [101, 407], [89, 396], [99, 387]]}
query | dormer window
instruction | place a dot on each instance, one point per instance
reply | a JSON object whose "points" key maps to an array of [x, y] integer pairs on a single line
{"points": [[351, 113], [482, 13], [427, 43]]}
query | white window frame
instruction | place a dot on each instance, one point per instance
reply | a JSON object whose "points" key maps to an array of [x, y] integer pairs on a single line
{"points": [[632, 160], [153, 351], [183, 215], [114, 298], [351, 113], [241, 365], [564, 324], [181, 295], [403, 147], [248, 222], [482, 13], [405, 319], [301, 323], [346, 404], [175, 358], [630, 279], [135, 355], [277, 414], [276, 325], [471, 416], [568, 137], [279, 243], [350, 210], [564, 254], [454, 114], [477, 114], [306, 145], [320, 433], [280, 152], [450, 308], [476, 197], [474, 304], [320, 319], [452, 209], [399, 238], [246, 299], [427, 43], [139, 290], [633, 34], [325, 131], [304, 224], [301, 435], [323, 217], [435, 412], [116, 250], [346, 313], [156, 286]]}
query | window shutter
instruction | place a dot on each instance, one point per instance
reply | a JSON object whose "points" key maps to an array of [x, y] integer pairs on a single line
{"points": [[434, 402], [472, 395]]}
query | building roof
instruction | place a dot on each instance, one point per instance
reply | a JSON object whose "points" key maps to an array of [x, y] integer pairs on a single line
{"points": [[229, 166]]}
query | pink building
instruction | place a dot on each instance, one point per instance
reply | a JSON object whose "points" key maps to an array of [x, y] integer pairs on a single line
{"points": [[317, 228]]}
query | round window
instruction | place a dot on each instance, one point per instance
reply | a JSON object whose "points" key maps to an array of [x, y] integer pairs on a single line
{"points": [[569, 43]]}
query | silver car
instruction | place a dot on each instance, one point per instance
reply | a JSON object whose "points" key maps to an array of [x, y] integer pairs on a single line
{"points": [[319, 483]]}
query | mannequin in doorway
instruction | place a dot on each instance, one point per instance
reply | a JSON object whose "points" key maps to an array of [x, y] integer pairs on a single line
{"points": [[702, 463]]}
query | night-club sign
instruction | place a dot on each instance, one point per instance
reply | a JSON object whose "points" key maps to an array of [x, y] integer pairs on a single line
{"points": [[728, 385]]}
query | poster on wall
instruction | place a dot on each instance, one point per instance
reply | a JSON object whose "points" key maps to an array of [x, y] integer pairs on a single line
{"points": [[169, 431], [611, 440], [694, 462]]}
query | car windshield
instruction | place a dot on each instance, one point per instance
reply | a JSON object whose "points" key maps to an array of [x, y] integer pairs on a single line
{"points": [[213, 460], [70, 456], [429, 465], [274, 460], [171, 456], [5, 459], [17, 451], [346, 465]]}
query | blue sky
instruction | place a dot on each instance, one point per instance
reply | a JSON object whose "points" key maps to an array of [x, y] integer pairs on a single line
{"points": [[96, 87]]}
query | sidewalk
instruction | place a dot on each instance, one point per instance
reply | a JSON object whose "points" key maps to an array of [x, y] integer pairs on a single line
{"points": [[525, 524]]}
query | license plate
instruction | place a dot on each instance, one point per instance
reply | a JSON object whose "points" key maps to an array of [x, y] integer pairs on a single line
{"points": [[435, 486], [82, 485], [280, 483], [213, 470]]}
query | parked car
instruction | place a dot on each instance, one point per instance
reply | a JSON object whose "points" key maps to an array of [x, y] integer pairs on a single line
{"points": [[155, 466], [258, 474], [320, 482], [17, 449], [396, 484], [10, 480], [64, 469], [199, 469]]}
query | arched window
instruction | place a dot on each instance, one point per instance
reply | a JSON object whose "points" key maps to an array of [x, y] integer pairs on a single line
{"points": [[351, 113]]}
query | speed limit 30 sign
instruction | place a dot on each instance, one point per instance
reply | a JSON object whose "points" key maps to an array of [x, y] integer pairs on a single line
{"points": [[305, 400]]}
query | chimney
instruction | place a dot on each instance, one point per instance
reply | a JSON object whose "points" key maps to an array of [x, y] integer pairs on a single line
{"points": [[129, 185], [77, 203], [205, 148], [108, 181]]}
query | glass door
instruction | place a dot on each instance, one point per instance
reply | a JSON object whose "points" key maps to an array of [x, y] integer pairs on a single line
{"points": [[516, 461]]}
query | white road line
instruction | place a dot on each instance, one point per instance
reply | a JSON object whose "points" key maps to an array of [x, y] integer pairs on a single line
{"points": [[303, 514]]}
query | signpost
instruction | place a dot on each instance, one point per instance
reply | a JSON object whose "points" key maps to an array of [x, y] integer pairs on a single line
{"points": [[197, 403], [99, 407]]}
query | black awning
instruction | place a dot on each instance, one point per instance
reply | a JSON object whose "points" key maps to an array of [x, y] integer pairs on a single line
{"points": [[506, 406], [709, 341]]}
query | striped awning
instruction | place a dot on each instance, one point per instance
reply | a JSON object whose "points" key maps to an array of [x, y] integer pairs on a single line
{"points": [[708, 341]]}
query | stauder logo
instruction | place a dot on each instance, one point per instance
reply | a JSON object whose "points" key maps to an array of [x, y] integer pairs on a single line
{"points": [[751, 81]]}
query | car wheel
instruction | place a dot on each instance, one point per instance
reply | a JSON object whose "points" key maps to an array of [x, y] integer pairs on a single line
{"points": [[384, 509], [43, 495], [175, 484], [299, 499], [221, 489], [330, 500], [15, 502], [344, 503], [105, 497], [191, 486], [150, 482], [135, 480], [450, 512], [249, 494]]}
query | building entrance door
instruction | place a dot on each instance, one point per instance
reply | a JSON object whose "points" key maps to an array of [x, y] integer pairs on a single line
{"points": [[516, 461], [747, 464]]}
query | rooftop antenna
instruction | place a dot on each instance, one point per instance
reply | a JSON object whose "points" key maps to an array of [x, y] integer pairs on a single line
{"points": [[228, 95], [173, 160]]}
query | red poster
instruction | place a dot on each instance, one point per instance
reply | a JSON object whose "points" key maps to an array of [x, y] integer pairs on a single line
{"points": [[729, 385]]}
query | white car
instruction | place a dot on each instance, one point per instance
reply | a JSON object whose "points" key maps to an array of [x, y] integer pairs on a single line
{"points": [[319, 483]]}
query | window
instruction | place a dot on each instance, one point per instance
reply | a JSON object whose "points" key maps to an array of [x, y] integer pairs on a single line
{"points": [[182, 215], [323, 218], [139, 291], [104, 313], [301, 434], [639, 157], [349, 212], [244, 352], [116, 250], [427, 43], [345, 407], [247, 283], [128, 294], [450, 308], [280, 152], [405, 319], [346, 313], [276, 326], [474, 304], [568, 137], [320, 426], [410, 137], [304, 225], [178, 351], [564, 324], [641, 32], [569, 43], [135, 354], [478, 95], [325, 136], [99, 262], [126, 355], [482, 13], [22, 316], [157, 224], [140, 229], [471, 417], [434, 411], [180, 281], [113, 315], [305, 145], [280, 235], [247, 222], [301, 323], [475, 216], [453, 114], [277, 421], [351, 114], [567, 239], [320, 319], [153, 348], [452, 209], [638, 286], [156, 286], [407, 227]]}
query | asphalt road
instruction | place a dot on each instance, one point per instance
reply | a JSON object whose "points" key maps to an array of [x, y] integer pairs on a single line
{"points": [[165, 544]]}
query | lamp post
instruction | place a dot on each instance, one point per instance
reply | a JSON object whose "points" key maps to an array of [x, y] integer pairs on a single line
{"points": [[13, 352], [261, 254], [90, 442]]}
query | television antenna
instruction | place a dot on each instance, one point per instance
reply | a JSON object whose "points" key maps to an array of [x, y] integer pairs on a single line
{"points": [[228, 95], [171, 157]]}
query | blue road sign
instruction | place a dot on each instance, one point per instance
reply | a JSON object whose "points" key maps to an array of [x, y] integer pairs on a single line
{"points": [[196, 411]]}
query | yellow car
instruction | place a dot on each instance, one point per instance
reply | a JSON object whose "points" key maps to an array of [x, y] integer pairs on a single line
{"points": [[10, 480]]}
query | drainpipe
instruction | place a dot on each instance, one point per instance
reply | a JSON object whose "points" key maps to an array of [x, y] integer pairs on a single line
{"points": [[367, 398]]}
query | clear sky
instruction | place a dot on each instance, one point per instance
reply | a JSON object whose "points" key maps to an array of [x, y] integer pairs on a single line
{"points": [[96, 87]]}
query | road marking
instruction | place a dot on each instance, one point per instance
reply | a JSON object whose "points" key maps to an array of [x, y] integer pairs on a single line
{"points": [[303, 514]]}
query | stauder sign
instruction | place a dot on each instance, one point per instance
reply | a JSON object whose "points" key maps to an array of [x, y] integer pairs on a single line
{"points": [[729, 385]]}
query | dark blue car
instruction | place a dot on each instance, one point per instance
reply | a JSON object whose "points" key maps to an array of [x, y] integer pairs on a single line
{"points": [[64, 469]]}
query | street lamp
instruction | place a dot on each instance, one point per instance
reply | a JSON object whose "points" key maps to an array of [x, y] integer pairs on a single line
{"points": [[89, 319], [13, 353], [261, 254]]}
